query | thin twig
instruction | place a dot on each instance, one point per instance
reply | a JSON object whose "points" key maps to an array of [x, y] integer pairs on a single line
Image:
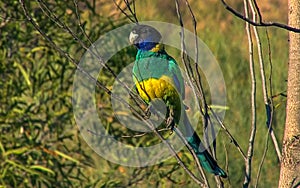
{"points": [[178, 159], [271, 119], [135, 176], [248, 161], [259, 24], [269, 109], [80, 24], [62, 25], [95, 53], [257, 11], [132, 12], [229, 134], [260, 55], [137, 100], [195, 80], [126, 136], [262, 159], [274, 139], [283, 93], [195, 31], [73, 61], [191, 150], [188, 71], [198, 81]]}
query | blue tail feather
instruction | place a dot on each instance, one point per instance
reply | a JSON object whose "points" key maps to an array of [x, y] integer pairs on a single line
{"points": [[206, 160]]}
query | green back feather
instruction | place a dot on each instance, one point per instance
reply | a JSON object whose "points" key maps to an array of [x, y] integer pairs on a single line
{"points": [[155, 65]]}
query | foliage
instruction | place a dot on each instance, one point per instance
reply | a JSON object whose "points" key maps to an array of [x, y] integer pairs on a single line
{"points": [[40, 145]]}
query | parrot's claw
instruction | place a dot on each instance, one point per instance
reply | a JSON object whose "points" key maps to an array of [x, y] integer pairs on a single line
{"points": [[170, 121], [170, 124], [148, 112], [152, 111]]}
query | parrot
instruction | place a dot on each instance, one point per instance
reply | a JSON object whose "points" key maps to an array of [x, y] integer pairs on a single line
{"points": [[157, 75]]}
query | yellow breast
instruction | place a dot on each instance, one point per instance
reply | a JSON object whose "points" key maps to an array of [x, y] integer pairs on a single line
{"points": [[157, 88]]}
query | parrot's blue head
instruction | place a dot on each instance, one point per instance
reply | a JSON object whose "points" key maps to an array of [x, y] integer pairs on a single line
{"points": [[144, 37]]}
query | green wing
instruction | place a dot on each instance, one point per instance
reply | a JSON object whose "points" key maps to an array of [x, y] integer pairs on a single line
{"points": [[156, 65]]}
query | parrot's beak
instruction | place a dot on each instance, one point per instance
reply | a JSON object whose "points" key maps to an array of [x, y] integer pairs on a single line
{"points": [[132, 37]]}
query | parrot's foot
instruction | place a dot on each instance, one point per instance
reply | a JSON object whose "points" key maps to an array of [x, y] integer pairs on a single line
{"points": [[148, 112], [170, 124], [154, 111], [170, 121], [151, 111]]}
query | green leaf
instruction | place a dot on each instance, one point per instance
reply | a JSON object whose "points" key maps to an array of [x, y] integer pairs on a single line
{"points": [[42, 168], [24, 73], [17, 151], [66, 156]]}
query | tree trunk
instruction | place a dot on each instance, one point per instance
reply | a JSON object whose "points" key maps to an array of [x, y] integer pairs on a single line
{"points": [[290, 164]]}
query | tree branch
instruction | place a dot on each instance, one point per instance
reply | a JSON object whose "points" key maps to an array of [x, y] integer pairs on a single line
{"points": [[248, 161], [260, 23], [132, 11]]}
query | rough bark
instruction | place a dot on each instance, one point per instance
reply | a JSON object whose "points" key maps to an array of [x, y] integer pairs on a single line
{"points": [[290, 164]]}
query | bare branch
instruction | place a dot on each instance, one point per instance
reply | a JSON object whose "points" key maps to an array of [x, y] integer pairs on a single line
{"points": [[191, 150], [189, 73], [177, 158], [80, 25], [195, 32], [74, 62], [195, 81], [228, 133], [260, 23], [248, 161], [127, 136], [269, 124], [262, 159], [195, 84], [95, 53], [132, 11], [269, 109]]}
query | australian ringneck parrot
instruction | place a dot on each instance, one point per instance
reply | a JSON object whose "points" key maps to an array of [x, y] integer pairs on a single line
{"points": [[157, 75]]}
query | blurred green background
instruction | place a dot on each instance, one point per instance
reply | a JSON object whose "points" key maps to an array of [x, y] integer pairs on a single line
{"points": [[40, 144]]}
